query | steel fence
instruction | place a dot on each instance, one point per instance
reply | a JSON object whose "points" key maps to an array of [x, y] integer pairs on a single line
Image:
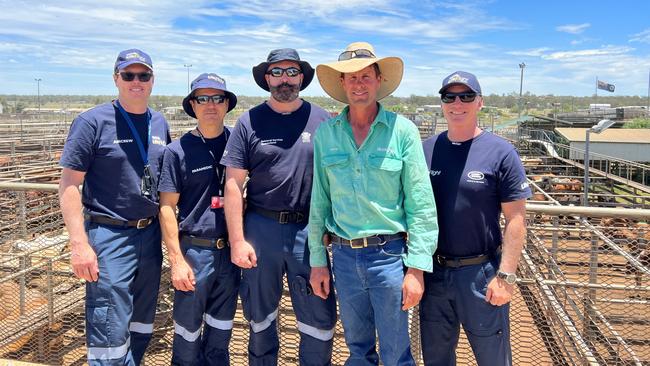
{"points": [[582, 297]]}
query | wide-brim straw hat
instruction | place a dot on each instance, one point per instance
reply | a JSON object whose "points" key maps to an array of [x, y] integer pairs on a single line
{"points": [[391, 69]]}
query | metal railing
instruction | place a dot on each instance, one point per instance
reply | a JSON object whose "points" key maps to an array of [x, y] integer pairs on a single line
{"points": [[583, 295]]}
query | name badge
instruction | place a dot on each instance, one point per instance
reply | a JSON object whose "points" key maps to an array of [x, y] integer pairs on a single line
{"points": [[216, 202]]}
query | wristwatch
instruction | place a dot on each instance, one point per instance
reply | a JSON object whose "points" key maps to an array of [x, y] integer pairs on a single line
{"points": [[510, 278]]}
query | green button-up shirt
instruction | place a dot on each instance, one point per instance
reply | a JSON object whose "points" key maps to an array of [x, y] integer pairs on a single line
{"points": [[381, 187]]}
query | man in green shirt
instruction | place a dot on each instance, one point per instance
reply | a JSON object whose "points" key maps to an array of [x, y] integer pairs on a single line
{"points": [[371, 198]]}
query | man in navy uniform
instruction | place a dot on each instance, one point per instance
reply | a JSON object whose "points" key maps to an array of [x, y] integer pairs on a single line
{"points": [[272, 146], [115, 150], [475, 176], [192, 181]]}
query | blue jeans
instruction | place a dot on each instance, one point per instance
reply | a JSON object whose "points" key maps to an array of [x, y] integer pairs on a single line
{"points": [[454, 296], [368, 283], [121, 304]]}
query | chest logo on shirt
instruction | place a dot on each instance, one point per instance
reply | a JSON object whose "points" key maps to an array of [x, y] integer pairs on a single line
{"points": [[271, 141], [475, 177], [524, 185], [156, 140], [306, 137], [433, 173], [124, 141]]}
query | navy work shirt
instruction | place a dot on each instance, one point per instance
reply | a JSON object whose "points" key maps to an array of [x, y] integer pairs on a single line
{"points": [[277, 150], [101, 144], [189, 169], [470, 180]]}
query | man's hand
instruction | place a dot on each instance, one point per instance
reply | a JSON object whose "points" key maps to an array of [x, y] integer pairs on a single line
{"points": [[84, 262], [412, 288], [243, 254], [182, 275], [319, 279], [498, 292]]}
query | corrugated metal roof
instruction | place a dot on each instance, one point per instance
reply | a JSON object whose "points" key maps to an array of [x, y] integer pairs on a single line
{"points": [[617, 135]]}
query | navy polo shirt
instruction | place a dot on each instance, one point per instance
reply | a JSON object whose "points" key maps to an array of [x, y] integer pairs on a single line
{"points": [[277, 151], [189, 169], [101, 144], [470, 180]]}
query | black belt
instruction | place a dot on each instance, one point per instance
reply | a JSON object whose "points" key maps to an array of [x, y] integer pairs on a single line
{"points": [[138, 224], [218, 243], [282, 217], [368, 241], [455, 262]]}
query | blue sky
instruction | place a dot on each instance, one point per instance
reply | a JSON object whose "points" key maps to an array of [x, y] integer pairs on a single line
{"points": [[71, 45]]}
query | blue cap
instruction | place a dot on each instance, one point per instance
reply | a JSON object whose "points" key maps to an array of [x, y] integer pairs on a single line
{"points": [[211, 81], [130, 57], [461, 78]]}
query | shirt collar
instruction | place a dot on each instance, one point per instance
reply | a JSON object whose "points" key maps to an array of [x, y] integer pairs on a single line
{"points": [[381, 115]]}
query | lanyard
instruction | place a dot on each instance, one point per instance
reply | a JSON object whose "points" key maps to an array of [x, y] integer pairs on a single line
{"points": [[136, 136], [219, 169]]}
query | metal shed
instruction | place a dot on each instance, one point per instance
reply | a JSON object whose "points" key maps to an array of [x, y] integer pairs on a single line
{"points": [[631, 144]]}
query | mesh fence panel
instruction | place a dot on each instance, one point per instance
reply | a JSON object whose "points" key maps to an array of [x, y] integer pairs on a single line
{"points": [[582, 298]]}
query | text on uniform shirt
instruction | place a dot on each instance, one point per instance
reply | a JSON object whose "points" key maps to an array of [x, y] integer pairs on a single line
{"points": [[158, 141], [124, 141], [271, 141], [207, 167]]}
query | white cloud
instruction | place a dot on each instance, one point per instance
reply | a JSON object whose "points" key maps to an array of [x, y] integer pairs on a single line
{"points": [[592, 53], [643, 37], [573, 28], [534, 52]]}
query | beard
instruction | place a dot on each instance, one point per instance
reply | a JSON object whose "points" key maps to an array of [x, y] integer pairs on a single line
{"points": [[285, 92]]}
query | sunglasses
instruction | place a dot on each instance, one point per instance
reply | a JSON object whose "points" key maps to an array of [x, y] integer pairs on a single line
{"points": [[204, 99], [142, 76], [466, 97], [361, 53], [278, 71]]}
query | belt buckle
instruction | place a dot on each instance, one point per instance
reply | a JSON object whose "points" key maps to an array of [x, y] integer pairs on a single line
{"points": [[284, 217], [220, 243], [142, 223], [364, 244]]}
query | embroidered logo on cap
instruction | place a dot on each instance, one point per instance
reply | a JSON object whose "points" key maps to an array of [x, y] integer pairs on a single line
{"points": [[134, 55], [456, 79], [216, 78]]}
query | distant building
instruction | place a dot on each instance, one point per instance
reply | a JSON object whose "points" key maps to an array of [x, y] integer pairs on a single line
{"points": [[631, 144], [599, 106], [1, 109], [173, 111]]}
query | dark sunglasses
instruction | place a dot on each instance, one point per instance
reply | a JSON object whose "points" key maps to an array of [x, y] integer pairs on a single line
{"points": [[142, 76], [466, 97], [290, 71], [361, 53], [204, 99]]}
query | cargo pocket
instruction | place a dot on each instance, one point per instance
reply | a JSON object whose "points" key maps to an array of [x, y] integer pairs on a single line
{"points": [[310, 309], [97, 325]]}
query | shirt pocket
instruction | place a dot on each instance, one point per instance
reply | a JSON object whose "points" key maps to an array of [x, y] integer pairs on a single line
{"points": [[384, 178], [338, 170]]}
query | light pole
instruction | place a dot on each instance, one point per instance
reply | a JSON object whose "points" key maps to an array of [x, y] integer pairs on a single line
{"points": [[38, 93], [521, 85], [600, 127], [188, 76]]}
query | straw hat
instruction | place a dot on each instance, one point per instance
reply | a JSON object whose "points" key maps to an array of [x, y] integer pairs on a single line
{"points": [[357, 56]]}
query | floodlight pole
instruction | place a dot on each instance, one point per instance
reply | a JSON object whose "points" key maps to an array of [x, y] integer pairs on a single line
{"points": [[521, 85], [188, 76], [38, 93]]}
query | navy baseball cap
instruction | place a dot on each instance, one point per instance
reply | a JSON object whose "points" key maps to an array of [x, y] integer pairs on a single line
{"points": [[283, 54], [130, 57], [211, 81], [461, 78]]}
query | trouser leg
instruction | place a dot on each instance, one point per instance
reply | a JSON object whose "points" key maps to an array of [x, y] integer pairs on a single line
{"points": [[145, 288], [109, 301], [439, 324], [261, 289], [316, 317]]}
